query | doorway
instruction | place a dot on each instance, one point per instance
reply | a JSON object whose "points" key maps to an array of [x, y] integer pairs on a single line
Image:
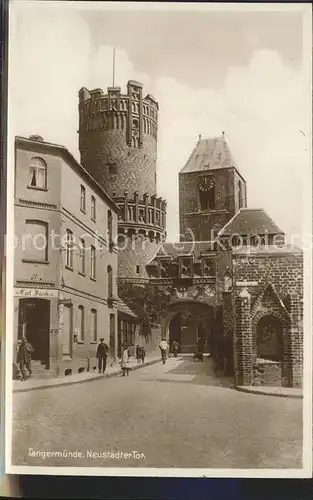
{"points": [[67, 331], [34, 324]]}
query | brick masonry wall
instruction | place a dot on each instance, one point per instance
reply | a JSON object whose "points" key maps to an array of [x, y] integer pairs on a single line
{"points": [[202, 223], [136, 254], [244, 355], [136, 167], [285, 272], [267, 374]]}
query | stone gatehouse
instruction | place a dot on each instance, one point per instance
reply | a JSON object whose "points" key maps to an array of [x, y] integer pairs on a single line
{"points": [[236, 287]]}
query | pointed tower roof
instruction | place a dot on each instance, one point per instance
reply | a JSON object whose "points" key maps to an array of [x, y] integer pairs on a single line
{"points": [[209, 154]]}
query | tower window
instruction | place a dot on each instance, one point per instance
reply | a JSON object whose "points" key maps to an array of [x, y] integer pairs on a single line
{"points": [[207, 193], [112, 169], [240, 198]]}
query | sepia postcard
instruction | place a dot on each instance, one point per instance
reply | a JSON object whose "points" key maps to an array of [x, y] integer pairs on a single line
{"points": [[159, 239]]}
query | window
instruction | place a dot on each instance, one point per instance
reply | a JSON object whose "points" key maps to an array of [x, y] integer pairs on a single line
{"points": [[138, 269], [94, 325], [131, 212], [135, 123], [92, 262], [37, 174], [150, 216], [112, 169], [69, 249], [82, 257], [35, 241], [240, 198], [93, 208], [110, 282], [83, 199], [81, 319], [110, 236], [207, 193]]}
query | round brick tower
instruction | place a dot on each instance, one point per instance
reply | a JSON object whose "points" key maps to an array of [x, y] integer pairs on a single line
{"points": [[118, 147]]}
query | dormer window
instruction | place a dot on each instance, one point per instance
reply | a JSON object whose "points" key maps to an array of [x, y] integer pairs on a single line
{"points": [[208, 267], [37, 174], [186, 268], [206, 190]]}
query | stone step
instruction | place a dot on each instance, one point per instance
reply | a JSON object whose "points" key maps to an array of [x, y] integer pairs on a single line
{"points": [[38, 371]]}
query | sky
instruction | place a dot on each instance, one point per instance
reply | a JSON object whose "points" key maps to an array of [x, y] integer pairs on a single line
{"points": [[212, 69]]}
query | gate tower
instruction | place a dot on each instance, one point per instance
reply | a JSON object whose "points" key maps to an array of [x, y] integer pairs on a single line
{"points": [[118, 147]]}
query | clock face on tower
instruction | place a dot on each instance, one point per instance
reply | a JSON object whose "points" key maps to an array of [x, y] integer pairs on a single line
{"points": [[206, 183]]}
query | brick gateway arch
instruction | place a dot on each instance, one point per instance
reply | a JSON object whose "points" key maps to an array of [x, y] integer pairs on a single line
{"points": [[187, 322]]}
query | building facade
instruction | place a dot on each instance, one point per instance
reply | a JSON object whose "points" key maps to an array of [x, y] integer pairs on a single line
{"points": [[118, 147], [235, 287], [65, 259]]}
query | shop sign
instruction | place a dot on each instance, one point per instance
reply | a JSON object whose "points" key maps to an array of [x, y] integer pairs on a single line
{"points": [[36, 293]]}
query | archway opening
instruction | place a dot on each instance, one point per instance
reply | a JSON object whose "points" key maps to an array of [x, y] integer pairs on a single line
{"points": [[175, 329], [191, 325], [269, 334], [34, 324]]}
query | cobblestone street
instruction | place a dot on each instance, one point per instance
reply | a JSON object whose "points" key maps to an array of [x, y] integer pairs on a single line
{"points": [[177, 415]]}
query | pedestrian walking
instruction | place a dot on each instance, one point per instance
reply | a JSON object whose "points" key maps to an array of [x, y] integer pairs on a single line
{"points": [[24, 358], [124, 361], [163, 345], [102, 356], [142, 354], [138, 353], [175, 348]]}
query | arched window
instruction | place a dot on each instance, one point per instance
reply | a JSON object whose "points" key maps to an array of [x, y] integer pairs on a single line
{"points": [[240, 198], [110, 282], [135, 123], [69, 249], [37, 174], [269, 338]]}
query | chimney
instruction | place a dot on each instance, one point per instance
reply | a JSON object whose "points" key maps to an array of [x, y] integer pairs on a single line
{"points": [[36, 137]]}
